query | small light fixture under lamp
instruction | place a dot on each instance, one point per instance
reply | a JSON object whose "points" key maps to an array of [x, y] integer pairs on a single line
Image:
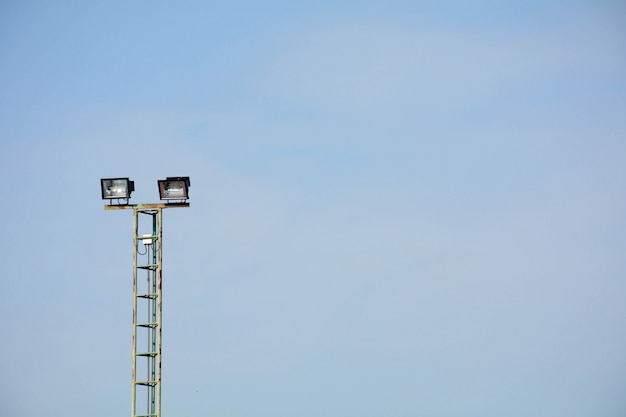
{"points": [[174, 188], [116, 188]]}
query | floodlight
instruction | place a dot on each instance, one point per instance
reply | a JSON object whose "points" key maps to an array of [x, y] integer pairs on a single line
{"points": [[116, 188], [174, 188]]}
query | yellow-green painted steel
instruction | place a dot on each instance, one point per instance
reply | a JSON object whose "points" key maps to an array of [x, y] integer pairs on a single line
{"points": [[147, 329]]}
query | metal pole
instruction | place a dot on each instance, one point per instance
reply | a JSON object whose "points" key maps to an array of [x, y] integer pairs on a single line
{"points": [[159, 275], [151, 312], [149, 326], [134, 371], [150, 317], [153, 297]]}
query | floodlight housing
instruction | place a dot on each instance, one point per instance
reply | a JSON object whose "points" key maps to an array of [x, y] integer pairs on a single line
{"points": [[116, 188], [174, 188]]}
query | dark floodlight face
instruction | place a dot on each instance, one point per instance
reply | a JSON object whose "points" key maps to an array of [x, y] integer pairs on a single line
{"points": [[174, 188], [116, 188]]}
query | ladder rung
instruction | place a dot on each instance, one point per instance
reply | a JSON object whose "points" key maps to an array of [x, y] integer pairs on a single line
{"points": [[148, 266], [153, 324], [145, 415], [153, 295], [149, 383], [147, 353]]}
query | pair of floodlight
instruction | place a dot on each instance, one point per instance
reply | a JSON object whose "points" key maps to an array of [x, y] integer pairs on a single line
{"points": [[172, 189]]}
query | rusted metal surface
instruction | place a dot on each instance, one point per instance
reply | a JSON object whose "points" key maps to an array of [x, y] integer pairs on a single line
{"points": [[159, 301], [147, 330], [134, 367], [145, 206], [147, 308]]}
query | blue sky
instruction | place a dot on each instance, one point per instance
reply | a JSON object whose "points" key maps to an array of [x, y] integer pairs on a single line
{"points": [[397, 208]]}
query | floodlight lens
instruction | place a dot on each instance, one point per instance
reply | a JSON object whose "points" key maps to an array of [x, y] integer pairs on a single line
{"points": [[114, 188], [174, 188]]}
